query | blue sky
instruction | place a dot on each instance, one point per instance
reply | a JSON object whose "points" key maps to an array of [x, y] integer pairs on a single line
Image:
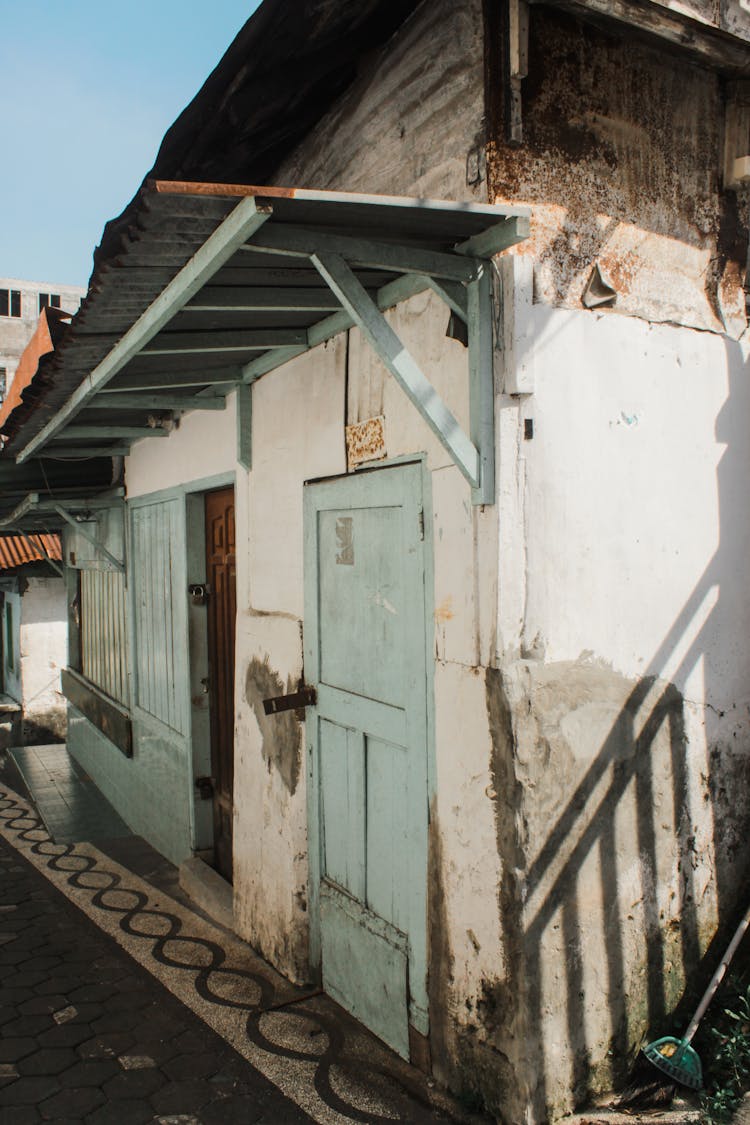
{"points": [[90, 89]]}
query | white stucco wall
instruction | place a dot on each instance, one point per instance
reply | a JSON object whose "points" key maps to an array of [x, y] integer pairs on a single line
{"points": [[44, 651], [623, 620], [204, 444]]}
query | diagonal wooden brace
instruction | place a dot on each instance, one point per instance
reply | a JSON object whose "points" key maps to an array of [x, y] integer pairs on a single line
{"points": [[402, 365]]}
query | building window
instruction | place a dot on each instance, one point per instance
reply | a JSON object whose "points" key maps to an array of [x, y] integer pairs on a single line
{"points": [[10, 302], [49, 299], [3, 382]]}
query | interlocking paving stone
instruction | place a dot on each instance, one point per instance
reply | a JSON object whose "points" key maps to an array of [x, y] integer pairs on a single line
{"points": [[288, 1041], [71, 1070], [48, 1061]]}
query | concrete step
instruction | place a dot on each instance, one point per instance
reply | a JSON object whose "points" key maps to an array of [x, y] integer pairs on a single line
{"points": [[680, 1113]]}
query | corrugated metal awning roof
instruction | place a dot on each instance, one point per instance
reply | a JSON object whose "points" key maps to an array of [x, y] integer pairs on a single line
{"points": [[17, 550], [217, 284]]}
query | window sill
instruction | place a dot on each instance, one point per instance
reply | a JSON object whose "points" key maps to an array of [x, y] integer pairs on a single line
{"points": [[110, 718]]}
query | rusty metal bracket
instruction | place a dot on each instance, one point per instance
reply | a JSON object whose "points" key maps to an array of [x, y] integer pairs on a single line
{"points": [[305, 697]]}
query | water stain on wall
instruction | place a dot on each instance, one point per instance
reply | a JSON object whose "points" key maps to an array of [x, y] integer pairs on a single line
{"points": [[280, 733]]}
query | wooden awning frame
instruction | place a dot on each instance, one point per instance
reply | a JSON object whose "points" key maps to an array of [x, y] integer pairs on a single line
{"points": [[263, 227]]}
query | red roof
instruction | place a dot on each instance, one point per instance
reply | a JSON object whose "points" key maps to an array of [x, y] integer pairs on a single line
{"points": [[47, 335], [15, 550]]}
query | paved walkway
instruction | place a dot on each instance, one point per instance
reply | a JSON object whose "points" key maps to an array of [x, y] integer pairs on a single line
{"points": [[88, 1035], [122, 1004]]}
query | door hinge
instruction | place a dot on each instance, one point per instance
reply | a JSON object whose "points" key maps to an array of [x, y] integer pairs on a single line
{"points": [[421, 524]]}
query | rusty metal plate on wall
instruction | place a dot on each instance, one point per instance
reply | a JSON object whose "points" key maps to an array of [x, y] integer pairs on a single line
{"points": [[365, 441]]}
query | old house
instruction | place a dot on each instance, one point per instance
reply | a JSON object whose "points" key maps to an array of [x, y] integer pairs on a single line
{"points": [[413, 598]]}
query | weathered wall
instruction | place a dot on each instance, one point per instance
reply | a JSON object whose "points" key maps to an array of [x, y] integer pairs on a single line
{"points": [[412, 120], [623, 673], [43, 652], [410, 124], [621, 159], [619, 703]]}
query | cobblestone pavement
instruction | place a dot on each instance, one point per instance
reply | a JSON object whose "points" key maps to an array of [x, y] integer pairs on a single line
{"points": [[88, 1035], [120, 1004]]}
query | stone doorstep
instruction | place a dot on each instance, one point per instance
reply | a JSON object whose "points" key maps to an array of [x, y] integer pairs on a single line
{"points": [[682, 1115], [208, 890]]}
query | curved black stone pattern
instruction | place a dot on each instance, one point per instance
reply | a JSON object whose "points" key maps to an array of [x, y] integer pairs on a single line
{"points": [[357, 1071]]}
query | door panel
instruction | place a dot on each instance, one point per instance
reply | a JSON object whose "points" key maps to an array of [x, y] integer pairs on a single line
{"points": [[222, 610], [365, 652]]}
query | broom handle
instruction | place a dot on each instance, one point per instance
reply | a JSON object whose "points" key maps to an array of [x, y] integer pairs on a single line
{"points": [[717, 978]]}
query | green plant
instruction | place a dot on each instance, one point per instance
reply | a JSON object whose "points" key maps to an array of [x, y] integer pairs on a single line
{"points": [[726, 1057]]}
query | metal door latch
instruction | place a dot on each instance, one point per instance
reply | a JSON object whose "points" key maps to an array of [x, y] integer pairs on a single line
{"points": [[205, 787], [305, 697]]}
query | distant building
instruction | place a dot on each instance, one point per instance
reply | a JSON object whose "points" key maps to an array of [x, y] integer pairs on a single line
{"points": [[20, 305]]}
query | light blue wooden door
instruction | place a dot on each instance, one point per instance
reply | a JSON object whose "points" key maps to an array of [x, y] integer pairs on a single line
{"points": [[365, 653]]}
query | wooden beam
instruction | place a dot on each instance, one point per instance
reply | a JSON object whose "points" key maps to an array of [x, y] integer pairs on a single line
{"points": [[124, 433], [218, 340], [172, 403], [81, 530], [153, 381], [240, 224], [300, 242], [269, 361], [81, 452], [496, 238], [687, 31], [386, 297], [404, 368], [453, 295], [216, 298]]}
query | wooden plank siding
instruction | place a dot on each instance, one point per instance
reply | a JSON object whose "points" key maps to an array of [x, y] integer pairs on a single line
{"points": [[104, 645], [157, 530]]}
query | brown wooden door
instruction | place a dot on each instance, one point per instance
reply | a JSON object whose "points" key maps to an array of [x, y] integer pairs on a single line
{"points": [[222, 606]]}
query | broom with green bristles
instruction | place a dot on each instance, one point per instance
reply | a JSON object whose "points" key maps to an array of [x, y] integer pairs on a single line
{"points": [[675, 1057]]}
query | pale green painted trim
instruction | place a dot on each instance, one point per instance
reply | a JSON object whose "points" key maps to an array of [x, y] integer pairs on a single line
{"points": [[482, 385], [508, 232], [241, 223], [244, 410], [404, 368], [125, 433], [453, 295], [170, 402], [201, 812], [302, 242], [118, 564], [175, 491]]}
